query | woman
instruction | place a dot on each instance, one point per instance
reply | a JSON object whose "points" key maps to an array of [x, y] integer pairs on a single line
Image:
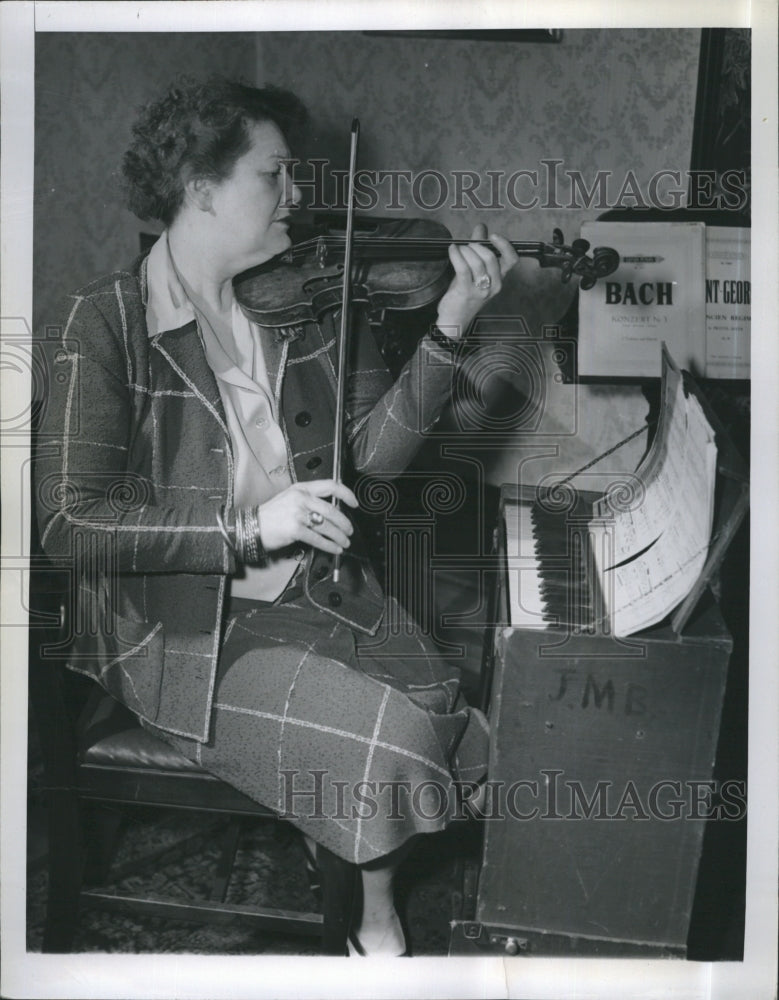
{"points": [[187, 487]]}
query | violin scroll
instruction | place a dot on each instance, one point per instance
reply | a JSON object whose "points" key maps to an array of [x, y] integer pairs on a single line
{"points": [[574, 260], [606, 261]]}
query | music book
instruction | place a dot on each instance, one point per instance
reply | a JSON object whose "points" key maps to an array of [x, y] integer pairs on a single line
{"points": [[650, 552], [728, 302], [655, 296], [624, 562]]}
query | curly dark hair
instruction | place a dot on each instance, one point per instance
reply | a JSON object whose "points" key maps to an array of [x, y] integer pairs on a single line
{"points": [[198, 129]]}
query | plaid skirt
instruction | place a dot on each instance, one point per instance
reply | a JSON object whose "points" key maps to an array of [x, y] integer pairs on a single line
{"points": [[360, 741]]}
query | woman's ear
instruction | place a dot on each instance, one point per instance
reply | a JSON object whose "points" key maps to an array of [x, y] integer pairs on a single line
{"points": [[198, 191]]}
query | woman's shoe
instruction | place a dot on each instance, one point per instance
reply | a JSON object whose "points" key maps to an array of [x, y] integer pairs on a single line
{"points": [[354, 945]]}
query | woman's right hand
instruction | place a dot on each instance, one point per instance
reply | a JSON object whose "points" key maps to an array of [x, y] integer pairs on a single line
{"points": [[286, 518]]}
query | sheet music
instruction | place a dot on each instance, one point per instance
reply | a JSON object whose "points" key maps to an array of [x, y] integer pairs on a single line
{"points": [[648, 553], [655, 296], [653, 553], [728, 302]]}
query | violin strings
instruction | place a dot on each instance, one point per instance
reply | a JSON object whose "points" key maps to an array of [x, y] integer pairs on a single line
{"points": [[388, 246]]}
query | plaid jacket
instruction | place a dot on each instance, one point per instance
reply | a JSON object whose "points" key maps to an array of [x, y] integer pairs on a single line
{"points": [[134, 461]]}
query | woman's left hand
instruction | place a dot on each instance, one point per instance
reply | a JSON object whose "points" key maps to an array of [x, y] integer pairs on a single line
{"points": [[478, 276]]}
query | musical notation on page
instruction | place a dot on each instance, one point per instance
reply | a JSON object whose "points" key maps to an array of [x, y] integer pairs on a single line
{"points": [[627, 565]]}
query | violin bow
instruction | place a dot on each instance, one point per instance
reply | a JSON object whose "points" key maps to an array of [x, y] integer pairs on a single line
{"points": [[340, 399]]}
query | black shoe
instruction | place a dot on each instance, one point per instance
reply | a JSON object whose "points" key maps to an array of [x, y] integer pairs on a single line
{"points": [[354, 946]]}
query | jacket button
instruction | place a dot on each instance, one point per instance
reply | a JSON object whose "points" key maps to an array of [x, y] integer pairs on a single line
{"points": [[334, 598], [322, 572], [314, 462], [303, 419]]}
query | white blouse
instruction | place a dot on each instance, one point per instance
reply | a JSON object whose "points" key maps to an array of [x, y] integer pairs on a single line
{"points": [[259, 446]]}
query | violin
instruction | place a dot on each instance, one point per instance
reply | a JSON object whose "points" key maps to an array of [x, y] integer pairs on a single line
{"points": [[399, 265]]}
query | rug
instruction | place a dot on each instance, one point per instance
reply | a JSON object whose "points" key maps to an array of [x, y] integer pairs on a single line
{"points": [[269, 870]]}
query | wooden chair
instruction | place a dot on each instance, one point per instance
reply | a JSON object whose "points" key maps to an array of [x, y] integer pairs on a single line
{"points": [[94, 752]]}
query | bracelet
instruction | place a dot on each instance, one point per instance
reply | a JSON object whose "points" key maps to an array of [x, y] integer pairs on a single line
{"points": [[439, 337], [246, 538], [240, 536], [246, 545], [252, 530], [259, 548]]}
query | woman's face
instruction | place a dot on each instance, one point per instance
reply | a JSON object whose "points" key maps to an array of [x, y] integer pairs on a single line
{"points": [[251, 206]]}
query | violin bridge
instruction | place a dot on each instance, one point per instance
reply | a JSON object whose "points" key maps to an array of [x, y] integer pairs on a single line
{"points": [[321, 252]]}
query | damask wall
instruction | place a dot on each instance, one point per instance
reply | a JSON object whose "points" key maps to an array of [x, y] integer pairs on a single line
{"points": [[618, 100], [86, 88], [600, 100], [614, 100]]}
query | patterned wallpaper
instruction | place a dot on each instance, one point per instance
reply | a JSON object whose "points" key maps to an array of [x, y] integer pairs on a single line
{"points": [[601, 100], [87, 87], [614, 100], [617, 100]]}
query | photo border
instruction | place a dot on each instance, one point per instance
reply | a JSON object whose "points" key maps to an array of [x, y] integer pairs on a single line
{"points": [[76, 975]]}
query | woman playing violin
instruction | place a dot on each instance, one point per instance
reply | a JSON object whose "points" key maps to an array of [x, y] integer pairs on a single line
{"points": [[193, 456]]}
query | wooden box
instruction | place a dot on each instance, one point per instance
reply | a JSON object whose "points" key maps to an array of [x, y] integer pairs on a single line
{"points": [[600, 771]]}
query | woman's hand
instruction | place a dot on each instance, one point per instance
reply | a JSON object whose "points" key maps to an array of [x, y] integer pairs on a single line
{"points": [[301, 514], [478, 276]]}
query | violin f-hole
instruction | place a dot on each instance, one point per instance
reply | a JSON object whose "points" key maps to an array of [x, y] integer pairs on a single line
{"points": [[325, 280]]}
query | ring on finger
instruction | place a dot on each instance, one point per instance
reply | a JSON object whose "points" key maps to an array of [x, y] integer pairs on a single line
{"points": [[315, 518], [483, 282]]}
